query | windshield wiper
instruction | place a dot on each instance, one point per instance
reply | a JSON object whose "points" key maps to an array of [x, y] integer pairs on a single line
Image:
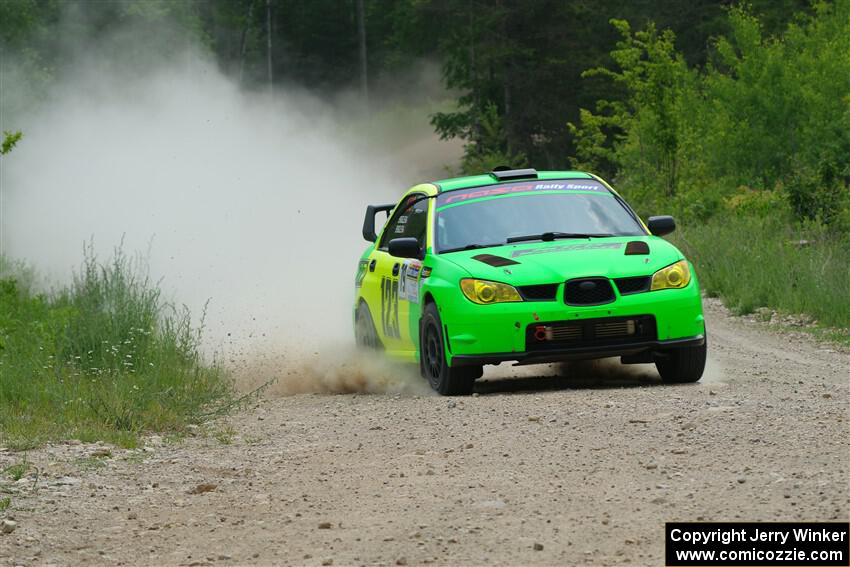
{"points": [[550, 236], [469, 247]]}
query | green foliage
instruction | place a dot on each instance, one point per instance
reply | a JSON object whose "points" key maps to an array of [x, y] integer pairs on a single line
{"points": [[17, 471], [104, 358], [753, 262], [526, 58], [491, 148], [10, 140], [646, 129], [768, 113], [751, 151]]}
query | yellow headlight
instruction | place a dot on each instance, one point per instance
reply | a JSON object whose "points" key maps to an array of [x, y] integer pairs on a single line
{"points": [[484, 292], [674, 276]]}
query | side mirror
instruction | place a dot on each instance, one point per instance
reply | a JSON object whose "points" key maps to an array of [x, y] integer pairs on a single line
{"points": [[661, 225], [369, 221], [405, 247]]}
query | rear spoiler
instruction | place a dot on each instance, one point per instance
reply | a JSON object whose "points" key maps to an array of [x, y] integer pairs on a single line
{"points": [[369, 221]]}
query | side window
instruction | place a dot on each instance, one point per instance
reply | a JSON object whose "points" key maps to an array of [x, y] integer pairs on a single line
{"points": [[408, 221]]}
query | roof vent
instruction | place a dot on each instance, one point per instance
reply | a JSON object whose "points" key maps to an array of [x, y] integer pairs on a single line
{"points": [[508, 174]]}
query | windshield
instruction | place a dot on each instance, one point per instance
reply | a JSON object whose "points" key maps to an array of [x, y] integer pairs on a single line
{"points": [[493, 215]]}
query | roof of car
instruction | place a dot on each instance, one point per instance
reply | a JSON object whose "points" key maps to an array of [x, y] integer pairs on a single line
{"points": [[489, 179]]}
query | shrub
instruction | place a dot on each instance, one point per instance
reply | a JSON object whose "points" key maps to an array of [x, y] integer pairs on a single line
{"points": [[754, 262], [104, 358], [752, 117]]}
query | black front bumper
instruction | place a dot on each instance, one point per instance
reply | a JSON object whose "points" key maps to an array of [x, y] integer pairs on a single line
{"points": [[576, 353]]}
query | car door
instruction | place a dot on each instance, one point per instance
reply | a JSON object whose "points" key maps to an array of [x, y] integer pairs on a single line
{"points": [[399, 277]]}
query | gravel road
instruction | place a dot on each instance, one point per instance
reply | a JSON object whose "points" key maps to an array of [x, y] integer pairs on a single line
{"points": [[548, 466]]}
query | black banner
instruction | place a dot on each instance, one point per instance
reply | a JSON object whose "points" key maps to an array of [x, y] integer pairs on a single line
{"points": [[757, 544]]}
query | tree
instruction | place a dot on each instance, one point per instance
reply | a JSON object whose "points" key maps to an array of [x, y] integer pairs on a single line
{"points": [[751, 120]]}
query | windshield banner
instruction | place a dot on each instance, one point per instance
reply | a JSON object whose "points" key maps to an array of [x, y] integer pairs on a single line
{"points": [[463, 195]]}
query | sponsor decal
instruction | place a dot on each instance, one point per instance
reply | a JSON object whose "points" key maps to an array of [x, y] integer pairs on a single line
{"points": [[451, 197], [568, 247], [408, 283]]}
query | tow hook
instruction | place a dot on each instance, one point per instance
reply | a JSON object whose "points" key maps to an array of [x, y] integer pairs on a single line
{"points": [[543, 333]]}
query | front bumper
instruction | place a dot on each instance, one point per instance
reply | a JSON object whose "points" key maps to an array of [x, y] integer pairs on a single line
{"points": [[489, 334]]}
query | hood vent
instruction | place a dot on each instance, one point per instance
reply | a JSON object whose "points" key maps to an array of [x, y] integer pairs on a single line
{"points": [[495, 261], [637, 247]]}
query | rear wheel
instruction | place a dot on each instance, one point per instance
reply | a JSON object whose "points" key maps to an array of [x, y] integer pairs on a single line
{"points": [[682, 365], [448, 381], [365, 335]]}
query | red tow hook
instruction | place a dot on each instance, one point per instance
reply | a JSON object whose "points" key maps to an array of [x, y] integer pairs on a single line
{"points": [[540, 333]]}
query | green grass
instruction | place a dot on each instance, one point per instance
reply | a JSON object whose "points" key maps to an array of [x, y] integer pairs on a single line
{"points": [[17, 471], [753, 262], [829, 334], [225, 435], [105, 358], [90, 463]]}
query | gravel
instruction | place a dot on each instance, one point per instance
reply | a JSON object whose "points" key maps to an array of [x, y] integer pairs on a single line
{"points": [[537, 469]]}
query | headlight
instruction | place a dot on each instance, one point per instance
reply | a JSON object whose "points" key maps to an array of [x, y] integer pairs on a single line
{"points": [[484, 292], [674, 276]]}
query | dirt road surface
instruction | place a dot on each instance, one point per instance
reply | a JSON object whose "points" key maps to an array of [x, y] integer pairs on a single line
{"points": [[536, 469]]}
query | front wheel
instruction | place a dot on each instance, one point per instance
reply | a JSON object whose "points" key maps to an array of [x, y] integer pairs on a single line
{"points": [[448, 381], [682, 365]]}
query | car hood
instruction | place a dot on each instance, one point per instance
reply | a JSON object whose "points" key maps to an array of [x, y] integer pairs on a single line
{"points": [[553, 262]]}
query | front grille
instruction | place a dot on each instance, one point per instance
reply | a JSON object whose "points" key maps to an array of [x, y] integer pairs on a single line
{"points": [[633, 285], [588, 291], [543, 292], [590, 332]]}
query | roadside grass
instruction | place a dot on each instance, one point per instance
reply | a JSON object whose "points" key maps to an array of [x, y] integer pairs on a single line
{"points": [[103, 359], [90, 463], [225, 435], [828, 334], [752, 262], [17, 471]]}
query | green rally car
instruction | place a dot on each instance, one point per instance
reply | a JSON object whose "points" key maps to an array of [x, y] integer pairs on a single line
{"points": [[525, 266]]}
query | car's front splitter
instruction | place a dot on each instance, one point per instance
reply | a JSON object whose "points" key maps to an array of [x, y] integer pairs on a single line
{"points": [[576, 353]]}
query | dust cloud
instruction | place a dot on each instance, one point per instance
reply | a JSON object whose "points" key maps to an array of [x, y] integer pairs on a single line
{"points": [[249, 201]]}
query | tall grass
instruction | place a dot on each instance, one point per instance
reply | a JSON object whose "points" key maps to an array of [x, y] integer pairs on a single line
{"points": [[753, 262], [104, 358]]}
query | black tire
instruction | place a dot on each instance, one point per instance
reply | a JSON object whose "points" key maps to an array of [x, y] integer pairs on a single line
{"points": [[682, 365], [448, 381], [365, 335]]}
